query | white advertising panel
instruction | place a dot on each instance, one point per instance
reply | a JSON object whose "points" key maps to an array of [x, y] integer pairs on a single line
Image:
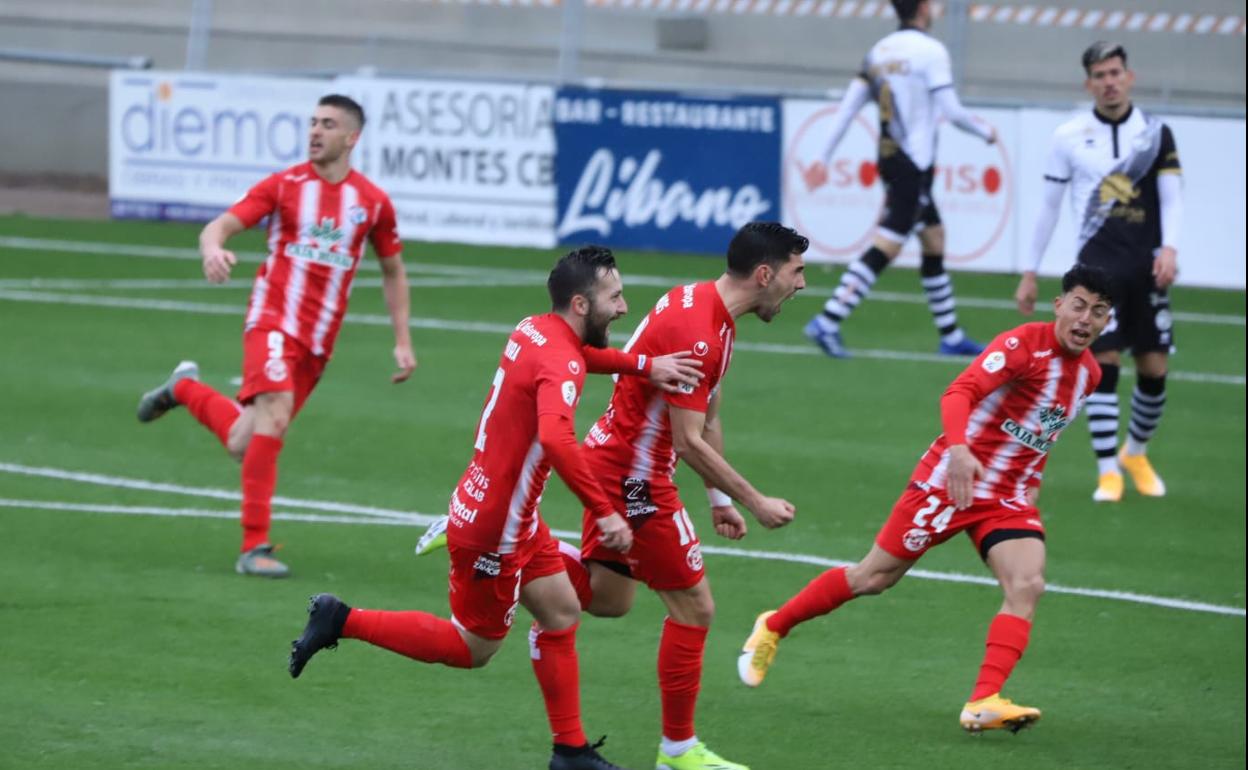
{"points": [[974, 187], [187, 145], [463, 161]]}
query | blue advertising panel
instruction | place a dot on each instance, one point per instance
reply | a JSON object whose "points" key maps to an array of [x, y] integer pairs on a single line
{"points": [[666, 171]]}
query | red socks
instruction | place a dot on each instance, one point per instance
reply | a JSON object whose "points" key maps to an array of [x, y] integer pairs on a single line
{"points": [[577, 573], [415, 634], [1007, 638], [558, 672], [259, 481], [216, 412], [680, 677], [820, 596]]}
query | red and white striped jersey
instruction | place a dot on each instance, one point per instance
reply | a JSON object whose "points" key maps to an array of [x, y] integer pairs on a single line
{"points": [[633, 438], [1023, 390], [316, 240], [540, 372]]}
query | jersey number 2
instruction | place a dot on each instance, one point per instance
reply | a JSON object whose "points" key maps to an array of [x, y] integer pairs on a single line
{"points": [[941, 522]]}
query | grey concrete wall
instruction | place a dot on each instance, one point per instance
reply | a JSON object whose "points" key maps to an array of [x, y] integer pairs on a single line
{"points": [[54, 128]]}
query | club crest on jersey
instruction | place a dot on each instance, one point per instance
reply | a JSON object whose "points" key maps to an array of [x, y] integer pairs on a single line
{"points": [[569, 392], [1011, 343], [693, 558], [700, 348], [275, 370], [574, 367], [916, 539], [994, 362], [357, 215]]}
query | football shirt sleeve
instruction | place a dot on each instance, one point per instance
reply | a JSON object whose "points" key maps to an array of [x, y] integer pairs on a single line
{"points": [[708, 348], [1003, 360], [613, 361], [939, 70], [385, 233], [558, 391], [259, 202]]}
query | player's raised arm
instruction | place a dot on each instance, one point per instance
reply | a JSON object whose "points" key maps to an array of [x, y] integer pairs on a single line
{"points": [[689, 442], [217, 259]]}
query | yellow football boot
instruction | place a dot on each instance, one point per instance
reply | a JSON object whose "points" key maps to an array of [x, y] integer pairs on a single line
{"points": [[697, 758], [997, 713], [759, 651], [1142, 474], [1108, 488]]}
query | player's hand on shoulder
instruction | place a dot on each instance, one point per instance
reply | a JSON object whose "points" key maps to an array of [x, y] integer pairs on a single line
{"points": [[728, 522], [774, 512], [217, 263], [671, 371], [405, 359], [616, 534]]}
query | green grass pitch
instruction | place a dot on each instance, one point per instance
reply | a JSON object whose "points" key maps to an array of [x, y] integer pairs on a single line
{"points": [[128, 641]]}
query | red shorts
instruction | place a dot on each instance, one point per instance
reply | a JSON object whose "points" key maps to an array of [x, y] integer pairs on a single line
{"points": [[485, 587], [274, 362], [666, 553], [923, 518]]}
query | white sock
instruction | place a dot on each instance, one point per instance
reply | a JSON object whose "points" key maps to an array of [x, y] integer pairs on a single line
{"points": [[1136, 447], [676, 748], [1107, 465], [954, 337]]}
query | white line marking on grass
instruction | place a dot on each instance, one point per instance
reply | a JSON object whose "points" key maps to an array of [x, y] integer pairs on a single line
{"points": [[199, 284], [186, 513], [487, 327], [374, 516], [528, 277], [121, 482]]}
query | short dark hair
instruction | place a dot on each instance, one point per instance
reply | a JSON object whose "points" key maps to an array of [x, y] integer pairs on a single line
{"points": [[344, 103], [906, 9], [1090, 277], [576, 273], [763, 242], [1102, 50]]}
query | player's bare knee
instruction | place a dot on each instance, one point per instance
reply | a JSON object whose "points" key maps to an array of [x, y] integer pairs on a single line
{"points": [[561, 617], [608, 607], [481, 657], [702, 613], [1024, 588], [871, 582]]}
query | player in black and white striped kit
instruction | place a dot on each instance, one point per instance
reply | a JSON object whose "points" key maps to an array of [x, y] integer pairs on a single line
{"points": [[1122, 168], [907, 74]]}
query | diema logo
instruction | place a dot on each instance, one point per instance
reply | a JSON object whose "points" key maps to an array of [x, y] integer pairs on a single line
{"points": [[972, 185], [189, 119]]}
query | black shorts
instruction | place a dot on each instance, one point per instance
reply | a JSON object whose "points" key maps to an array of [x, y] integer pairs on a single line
{"points": [[1142, 321], [908, 203]]}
